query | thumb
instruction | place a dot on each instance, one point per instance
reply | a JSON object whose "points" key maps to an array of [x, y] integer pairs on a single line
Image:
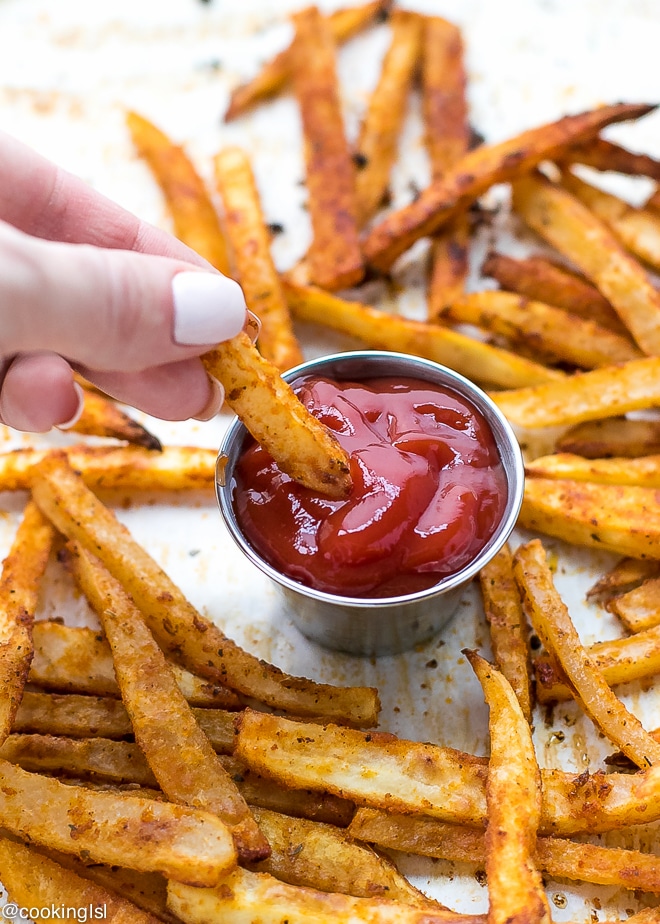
{"points": [[110, 310]]}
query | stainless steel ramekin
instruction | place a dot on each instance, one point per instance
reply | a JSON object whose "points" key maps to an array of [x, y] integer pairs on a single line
{"points": [[360, 625]]}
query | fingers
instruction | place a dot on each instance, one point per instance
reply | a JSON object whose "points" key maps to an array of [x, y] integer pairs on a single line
{"points": [[38, 392]]}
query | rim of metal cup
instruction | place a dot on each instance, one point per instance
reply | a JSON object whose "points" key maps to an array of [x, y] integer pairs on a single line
{"points": [[347, 366]]}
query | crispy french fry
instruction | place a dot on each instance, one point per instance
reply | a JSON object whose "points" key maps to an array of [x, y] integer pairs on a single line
{"points": [[624, 576], [321, 856], [558, 857], [176, 624], [542, 280], [249, 245], [175, 468], [478, 170], [246, 896], [613, 436], [513, 796], [195, 219], [605, 155], [542, 327], [101, 417], [299, 443], [637, 229], [379, 330], [653, 202], [78, 660], [275, 75], [20, 581], [639, 609], [644, 471], [508, 628], [38, 882], [177, 841], [554, 626], [177, 750], [334, 256], [576, 232], [584, 396], [377, 142], [619, 518]]}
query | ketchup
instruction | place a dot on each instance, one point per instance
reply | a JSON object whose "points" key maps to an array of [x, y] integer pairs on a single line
{"points": [[428, 491]]}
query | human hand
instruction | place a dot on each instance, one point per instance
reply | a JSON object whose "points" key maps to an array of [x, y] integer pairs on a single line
{"points": [[85, 285]]}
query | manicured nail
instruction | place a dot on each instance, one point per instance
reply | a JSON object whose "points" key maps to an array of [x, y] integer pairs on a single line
{"points": [[208, 308], [252, 326], [78, 412], [215, 402]]}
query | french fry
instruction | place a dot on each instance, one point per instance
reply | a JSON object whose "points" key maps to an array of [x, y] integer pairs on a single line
{"points": [[104, 827], [613, 436], [553, 625], [20, 581], [246, 896], [377, 142], [605, 155], [644, 472], [584, 396], [541, 327], [38, 882], [334, 257], [542, 280], [624, 576], [576, 232], [653, 202], [249, 245], [639, 609], [617, 518], [101, 417], [175, 468], [508, 628], [176, 624], [177, 750], [194, 217], [513, 796], [379, 330], [275, 75], [558, 857], [476, 172], [637, 229], [78, 660], [299, 443]]}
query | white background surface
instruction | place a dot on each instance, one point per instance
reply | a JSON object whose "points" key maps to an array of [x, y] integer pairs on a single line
{"points": [[68, 72]]}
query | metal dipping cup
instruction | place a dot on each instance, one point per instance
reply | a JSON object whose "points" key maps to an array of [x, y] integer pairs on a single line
{"points": [[360, 625]]}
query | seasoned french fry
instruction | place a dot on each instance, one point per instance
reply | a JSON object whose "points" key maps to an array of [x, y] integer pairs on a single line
{"points": [[639, 609], [377, 142], [299, 443], [478, 170], [605, 155], [195, 219], [637, 229], [38, 882], [174, 840], [78, 660], [101, 417], [334, 256], [274, 76], [175, 468], [176, 624], [508, 628], [177, 750], [513, 796], [249, 245], [558, 857], [554, 626], [542, 280], [584, 396], [246, 896], [624, 576], [644, 471], [619, 518], [653, 202], [577, 233], [471, 357], [20, 581], [613, 436], [542, 327]]}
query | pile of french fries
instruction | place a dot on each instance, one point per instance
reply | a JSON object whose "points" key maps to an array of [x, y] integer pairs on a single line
{"points": [[159, 771]]}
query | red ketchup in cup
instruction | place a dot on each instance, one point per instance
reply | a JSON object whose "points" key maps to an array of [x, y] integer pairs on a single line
{"points": [[429, 491]]}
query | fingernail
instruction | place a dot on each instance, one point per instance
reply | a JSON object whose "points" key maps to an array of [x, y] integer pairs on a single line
{"points": [[214, 403], [78, 412], [208, 308], [252, 326]]}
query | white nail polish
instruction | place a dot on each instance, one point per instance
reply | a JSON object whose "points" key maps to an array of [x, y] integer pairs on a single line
{"points": [[78, 413], [214, 403], [208, 308]]}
